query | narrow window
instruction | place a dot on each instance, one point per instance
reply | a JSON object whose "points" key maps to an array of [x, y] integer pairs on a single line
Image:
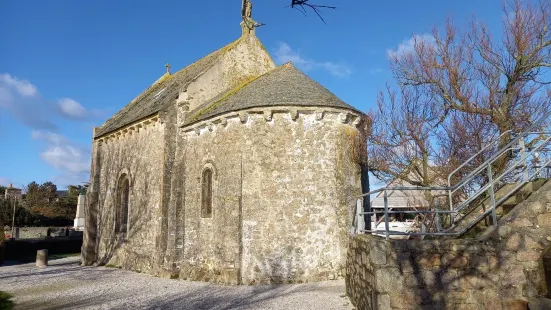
{"points": [[122, 204], [206, 193]]}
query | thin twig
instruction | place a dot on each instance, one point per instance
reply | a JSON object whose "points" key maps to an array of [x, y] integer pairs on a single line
{"points": [[296, 4]]}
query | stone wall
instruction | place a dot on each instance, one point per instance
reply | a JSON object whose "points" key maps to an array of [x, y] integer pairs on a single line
{"points": [[241, 61], [38, 232], [285, 178], [284, 189], [138, 152], [506, 267]]}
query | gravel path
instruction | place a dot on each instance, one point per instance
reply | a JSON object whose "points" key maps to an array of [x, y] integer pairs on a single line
{"points": [[66, 285]]}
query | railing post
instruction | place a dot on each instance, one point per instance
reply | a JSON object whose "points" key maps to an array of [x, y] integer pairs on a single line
{"points": [[522, 145], [359, 217], [386, 214], [438, 220], [492, 194], [451, 205]]}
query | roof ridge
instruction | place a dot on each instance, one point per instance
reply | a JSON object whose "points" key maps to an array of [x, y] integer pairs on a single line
{"points": [[161, 80]]}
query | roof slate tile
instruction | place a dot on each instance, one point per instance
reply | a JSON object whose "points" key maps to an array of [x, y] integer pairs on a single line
{"points": [[283, 86]]}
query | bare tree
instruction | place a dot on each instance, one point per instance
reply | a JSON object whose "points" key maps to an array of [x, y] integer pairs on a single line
{"points": [[460, 136], [304, 5], [400, 144], [403, 148], [469, 72], [458, 90]]}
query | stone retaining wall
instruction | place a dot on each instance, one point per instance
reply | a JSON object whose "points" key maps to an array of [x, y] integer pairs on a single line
{"points": [[403, 274], [508, 267], [37, 232]]}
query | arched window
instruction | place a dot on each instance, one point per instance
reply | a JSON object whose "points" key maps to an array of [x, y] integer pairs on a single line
{"points": [[123, 191], [206, 193]]}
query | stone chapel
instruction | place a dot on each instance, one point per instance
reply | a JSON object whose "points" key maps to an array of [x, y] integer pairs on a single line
{"points": [[232, 170]]}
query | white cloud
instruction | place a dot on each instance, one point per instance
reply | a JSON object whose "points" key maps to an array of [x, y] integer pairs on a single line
{"points": [[24, 102], [24, 88], [48, 137], [21, 99], [71, 108], [285, 53], [66, 157], [408, 46], [70, 159], [4, 182], [376, 71], [6, 97]]}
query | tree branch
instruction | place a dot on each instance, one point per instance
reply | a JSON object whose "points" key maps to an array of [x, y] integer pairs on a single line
{"points": [[303, 4]]}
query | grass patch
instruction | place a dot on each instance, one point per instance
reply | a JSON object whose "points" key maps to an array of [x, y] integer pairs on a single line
{"points": [[5, 301]]}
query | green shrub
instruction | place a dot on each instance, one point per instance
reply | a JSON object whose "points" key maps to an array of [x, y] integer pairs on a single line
{"points": [[5, 301]]}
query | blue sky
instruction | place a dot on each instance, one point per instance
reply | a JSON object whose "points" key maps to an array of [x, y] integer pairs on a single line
{"points": [[66, 66]]}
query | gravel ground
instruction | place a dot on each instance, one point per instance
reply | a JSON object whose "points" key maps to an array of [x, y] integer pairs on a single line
{"points": [[66, 285]]}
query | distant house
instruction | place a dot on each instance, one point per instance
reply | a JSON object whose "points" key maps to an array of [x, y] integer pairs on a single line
{"points": [[12, 192], [61, 194], [397, 200], [400, 199]]}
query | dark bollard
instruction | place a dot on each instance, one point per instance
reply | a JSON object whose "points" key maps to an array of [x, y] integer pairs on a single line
{"points": [[42, 258]]}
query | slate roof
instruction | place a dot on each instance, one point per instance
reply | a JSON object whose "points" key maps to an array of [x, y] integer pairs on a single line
{"points": [[60, 194], [284, 85], [152, 100], [399, 199]]}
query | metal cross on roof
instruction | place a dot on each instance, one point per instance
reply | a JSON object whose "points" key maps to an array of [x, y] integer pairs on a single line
{"points": [[167, 66]]}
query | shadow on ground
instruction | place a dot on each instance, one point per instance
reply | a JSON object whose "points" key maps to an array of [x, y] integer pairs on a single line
{"points": [[67, 285]]}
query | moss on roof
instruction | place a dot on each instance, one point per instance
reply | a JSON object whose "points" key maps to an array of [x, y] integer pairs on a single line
{"points": [[284, 85], [213, 105], [151, 101]]}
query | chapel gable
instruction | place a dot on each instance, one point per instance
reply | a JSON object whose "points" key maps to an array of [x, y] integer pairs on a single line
{"points": [[235, 64]]}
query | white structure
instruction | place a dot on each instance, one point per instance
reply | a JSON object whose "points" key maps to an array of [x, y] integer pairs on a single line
{"points": [[79, 218], [398, 200]]}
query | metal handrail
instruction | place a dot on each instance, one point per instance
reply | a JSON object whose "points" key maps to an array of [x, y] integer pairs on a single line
{"points": [[490, 184], [485, 165], [504, 149], [443, 233], [450, 189], [478, 153]]}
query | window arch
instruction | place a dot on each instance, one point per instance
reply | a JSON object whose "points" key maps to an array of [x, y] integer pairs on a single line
{"points": [[121, 206], [206, 193]]}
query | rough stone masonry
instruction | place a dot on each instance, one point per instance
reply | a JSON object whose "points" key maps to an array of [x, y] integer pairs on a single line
{"points": [[231, 170], [506, 269]]}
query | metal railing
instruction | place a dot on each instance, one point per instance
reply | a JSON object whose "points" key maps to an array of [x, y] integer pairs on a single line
{"points": [[525, 157]]}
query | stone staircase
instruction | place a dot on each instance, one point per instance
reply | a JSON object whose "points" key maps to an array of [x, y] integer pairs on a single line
{"points": [[508, 266], [481, 205]]}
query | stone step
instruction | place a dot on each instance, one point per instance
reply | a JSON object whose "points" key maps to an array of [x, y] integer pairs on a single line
{"points": [[479, 207]]}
